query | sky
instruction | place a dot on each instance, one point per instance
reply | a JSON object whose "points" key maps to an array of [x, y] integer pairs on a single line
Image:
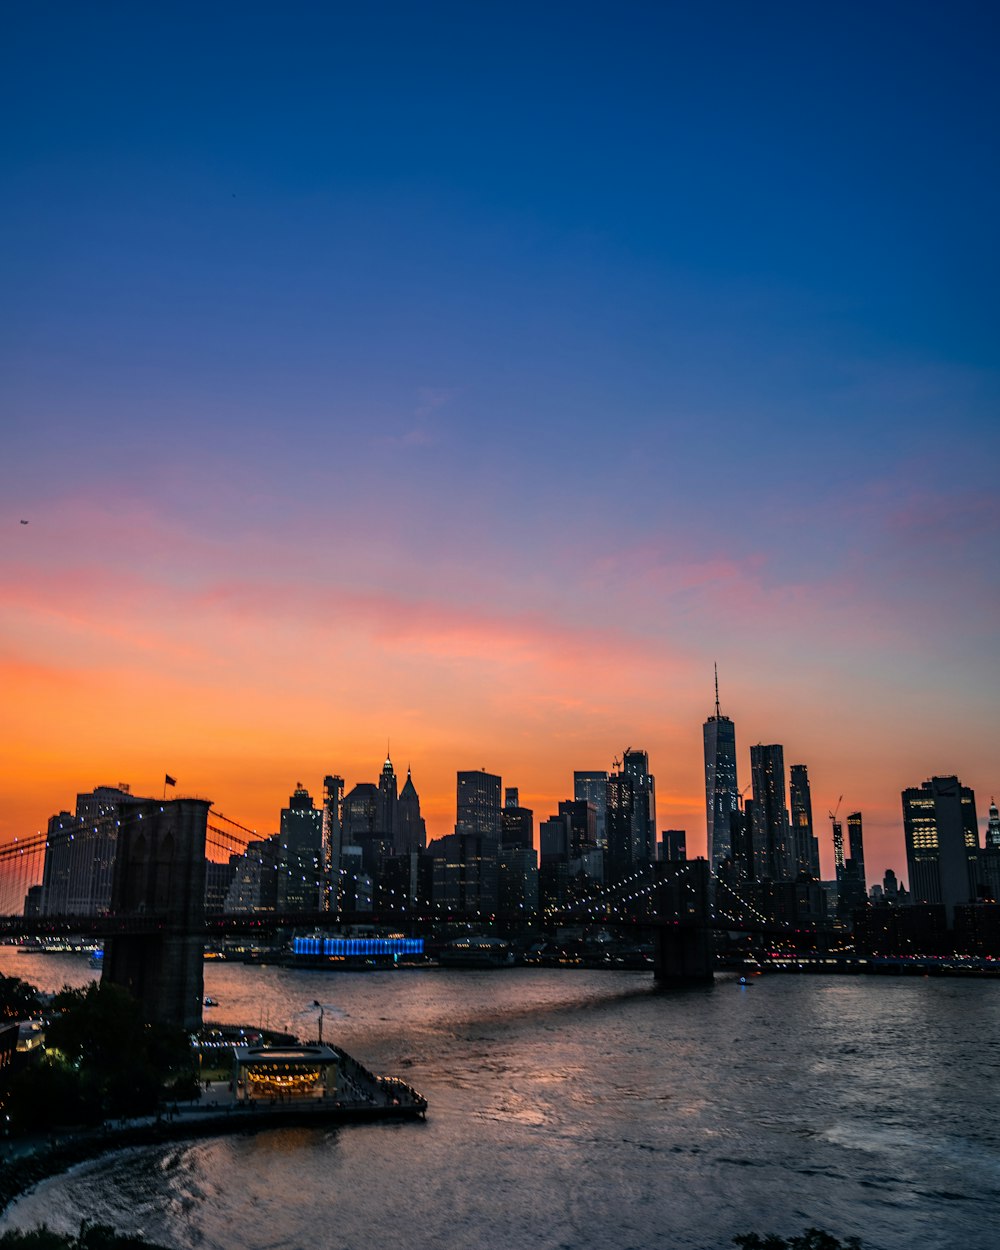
{"points": [[472, 378]]}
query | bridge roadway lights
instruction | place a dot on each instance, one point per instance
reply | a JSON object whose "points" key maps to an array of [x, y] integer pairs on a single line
{"points": [[682, 947]]}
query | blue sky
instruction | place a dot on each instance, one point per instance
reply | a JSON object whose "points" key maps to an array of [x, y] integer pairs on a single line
{"points": [[676, 321]]}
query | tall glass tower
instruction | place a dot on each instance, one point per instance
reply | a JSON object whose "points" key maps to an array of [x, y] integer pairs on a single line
{"points": [[721, 791]]}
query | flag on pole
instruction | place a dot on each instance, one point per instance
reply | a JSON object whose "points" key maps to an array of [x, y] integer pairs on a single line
{"points": [[168, 780]]}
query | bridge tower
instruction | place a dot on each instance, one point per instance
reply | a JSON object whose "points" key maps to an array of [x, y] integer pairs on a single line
{"points": [[683, 952], [158, 898]]}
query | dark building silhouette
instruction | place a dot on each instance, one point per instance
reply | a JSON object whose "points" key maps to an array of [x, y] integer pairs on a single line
{"points": [[619, 812], [254, 885], [721, 789], [333, 840], [582, 825], [805, 843], [673, 845], [517, 828], [80, 853], [853, 888], [301, 876], [773, 853], [635, 765], [159, 886], [942, 843], [592, 787], [360, 825], [411, 829], [385, 809]]}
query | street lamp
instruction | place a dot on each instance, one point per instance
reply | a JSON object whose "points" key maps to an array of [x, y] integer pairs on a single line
{"points": [[317, 1003]]}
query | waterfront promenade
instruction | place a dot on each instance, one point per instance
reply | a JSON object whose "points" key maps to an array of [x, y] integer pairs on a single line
{"points": [[361, 1097]]}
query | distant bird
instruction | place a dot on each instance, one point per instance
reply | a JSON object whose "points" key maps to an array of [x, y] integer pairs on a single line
{"points": [[24, 522]]}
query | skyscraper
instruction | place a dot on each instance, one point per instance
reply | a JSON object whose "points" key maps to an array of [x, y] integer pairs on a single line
{"points": [[635, 765], [773, 853], [619, 810], [385, 810], [721, 790], [592, 787], [805, 843], [942, 842], [478, 826], [300, 867], [993, 828], [478, 802], [411, 830], [853, 886]]}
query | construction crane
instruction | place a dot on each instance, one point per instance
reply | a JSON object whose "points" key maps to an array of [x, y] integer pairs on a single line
{"points": [[833, 814]]}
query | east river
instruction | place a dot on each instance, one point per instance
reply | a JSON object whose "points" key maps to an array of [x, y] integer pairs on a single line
{"points": [[584, 1111]]}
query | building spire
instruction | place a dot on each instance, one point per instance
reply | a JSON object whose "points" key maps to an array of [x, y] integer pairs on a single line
{"points": [[717, 712]]}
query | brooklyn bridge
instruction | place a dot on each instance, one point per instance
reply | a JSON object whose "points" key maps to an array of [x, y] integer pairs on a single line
{"points": [[156, 923]]}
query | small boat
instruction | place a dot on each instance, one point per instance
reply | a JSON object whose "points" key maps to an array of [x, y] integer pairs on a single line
{"points": [[211, 1002]]}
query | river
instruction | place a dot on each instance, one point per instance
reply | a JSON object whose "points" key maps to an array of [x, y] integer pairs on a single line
{"points": [[578, 1110]]}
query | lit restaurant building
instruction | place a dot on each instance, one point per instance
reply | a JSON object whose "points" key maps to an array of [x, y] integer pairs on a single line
{"points": [[284, 1073]]}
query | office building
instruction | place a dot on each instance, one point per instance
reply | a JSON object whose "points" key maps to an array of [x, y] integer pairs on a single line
{"points": [[411, 829], [385, 806], [805, 842], [592, 787], [80, 853], [619, 810], [583, 825], [635, 765], [721, 789], [942, 843], [301, 883], [673, 845], [773, 853], [517, 827], [478, 802]]}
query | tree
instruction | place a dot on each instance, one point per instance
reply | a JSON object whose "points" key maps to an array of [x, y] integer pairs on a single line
{"points": [[18, 999]]}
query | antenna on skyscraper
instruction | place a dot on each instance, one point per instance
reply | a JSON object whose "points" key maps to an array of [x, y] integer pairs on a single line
{"points": [[717, 712]]}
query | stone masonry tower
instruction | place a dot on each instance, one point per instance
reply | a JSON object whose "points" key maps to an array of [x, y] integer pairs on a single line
{"points": [[158, 896]]}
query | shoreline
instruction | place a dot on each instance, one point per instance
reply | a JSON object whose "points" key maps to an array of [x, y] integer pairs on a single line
{"points": [[21, 1174]]}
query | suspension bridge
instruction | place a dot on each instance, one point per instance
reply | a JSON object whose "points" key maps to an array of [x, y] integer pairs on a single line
{"points": [[157, 855]]}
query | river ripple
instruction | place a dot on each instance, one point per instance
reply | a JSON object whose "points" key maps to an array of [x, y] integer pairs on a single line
{"points": [[581, 1110]]}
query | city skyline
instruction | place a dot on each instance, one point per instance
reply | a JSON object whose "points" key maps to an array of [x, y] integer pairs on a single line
{"points": [[478, 380]]}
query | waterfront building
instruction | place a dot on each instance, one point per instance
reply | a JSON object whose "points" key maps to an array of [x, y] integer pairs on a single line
{"points": [[773, 852], [592, 787], [806, 845], [301, 885], [721, 789], [942, 843]]}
